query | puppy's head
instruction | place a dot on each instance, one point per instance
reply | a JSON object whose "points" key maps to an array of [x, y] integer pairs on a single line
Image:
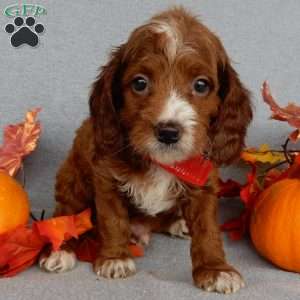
{"points": [[170, 93]]}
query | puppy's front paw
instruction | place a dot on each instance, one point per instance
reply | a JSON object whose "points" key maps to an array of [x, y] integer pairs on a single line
{"points": [[225, 282], [58, 261], [115, 268], [179, 229]]}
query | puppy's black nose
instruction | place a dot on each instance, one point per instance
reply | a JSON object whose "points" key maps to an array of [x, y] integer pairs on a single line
{"points": [[168, 133]]}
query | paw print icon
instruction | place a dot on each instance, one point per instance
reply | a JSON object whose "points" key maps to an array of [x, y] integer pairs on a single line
{"points": [[24, 32]]}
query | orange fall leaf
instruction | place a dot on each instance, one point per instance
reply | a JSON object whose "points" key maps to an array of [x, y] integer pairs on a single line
{"points": [[20, 248], [19, 140], [290, 113], [60, 229]]}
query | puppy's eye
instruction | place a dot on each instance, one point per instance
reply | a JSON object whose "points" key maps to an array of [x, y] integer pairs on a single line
{"points": [[201, 86], [140, 84]]}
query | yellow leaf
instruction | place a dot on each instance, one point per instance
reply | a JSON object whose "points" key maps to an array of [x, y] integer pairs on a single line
{"points": [[263, 155]]}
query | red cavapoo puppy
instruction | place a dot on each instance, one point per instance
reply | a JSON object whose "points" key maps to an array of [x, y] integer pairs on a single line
{"points": [[168, 94]]}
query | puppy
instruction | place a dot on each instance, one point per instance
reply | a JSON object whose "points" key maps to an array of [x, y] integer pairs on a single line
{"points": [[166, 95]]}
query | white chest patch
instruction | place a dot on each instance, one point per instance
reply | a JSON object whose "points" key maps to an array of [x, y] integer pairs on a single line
{"points": [[156, 192]]}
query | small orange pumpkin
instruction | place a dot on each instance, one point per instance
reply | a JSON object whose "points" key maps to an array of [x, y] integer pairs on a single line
{"points": [[14, 204], [275, 224]]}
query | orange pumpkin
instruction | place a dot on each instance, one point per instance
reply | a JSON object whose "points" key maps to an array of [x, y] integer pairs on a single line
{"points": [[14, 203], [275, 224]]}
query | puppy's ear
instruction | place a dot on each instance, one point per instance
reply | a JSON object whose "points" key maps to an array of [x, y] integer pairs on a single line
{"points": [[105, 103], [228, 130]]}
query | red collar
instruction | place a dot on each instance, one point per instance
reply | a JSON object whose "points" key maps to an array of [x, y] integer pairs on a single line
{"points": [[194, 170]]}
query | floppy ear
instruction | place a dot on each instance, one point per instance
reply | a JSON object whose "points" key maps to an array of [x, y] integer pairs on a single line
{"points": [[105, 103], [228, 130]]}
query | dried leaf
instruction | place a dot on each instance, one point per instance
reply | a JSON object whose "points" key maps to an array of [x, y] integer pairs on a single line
{"points": [[294, 170], [19, 140], [271, 177], [251, 189], [60, 229], [290, 113], [263, 155], [19, 249], [295, 136], [83, 221], [229, 188], [236, 227], [56, 230], [249, 192]]}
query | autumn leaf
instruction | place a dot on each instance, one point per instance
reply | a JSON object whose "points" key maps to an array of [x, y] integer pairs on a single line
{"points": [[56, 230], [295, 136], [238, 227], [19, 249], [136, 250], [271, 177], [19, 140], [294, 170], [290, 113], [229, 188], [263, 155], [83, 222], [251, 189], [60, 229]]}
